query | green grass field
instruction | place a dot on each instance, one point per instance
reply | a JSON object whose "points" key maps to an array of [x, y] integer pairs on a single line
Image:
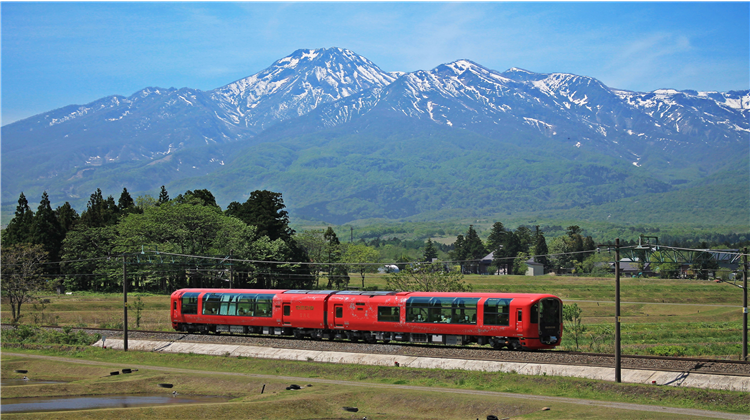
{"points": [[668, 317]]}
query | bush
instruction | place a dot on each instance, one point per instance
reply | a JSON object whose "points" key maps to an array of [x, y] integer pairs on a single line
{"points": [[31, 334]]}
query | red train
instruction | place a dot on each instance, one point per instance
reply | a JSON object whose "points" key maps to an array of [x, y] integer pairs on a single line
{"points": [[513, 320]]}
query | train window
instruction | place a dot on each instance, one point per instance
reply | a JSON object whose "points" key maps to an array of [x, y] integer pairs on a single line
{"points": [[534, 318], [464, 311], [175, 305], [264, 305], [211, 303], [228, 305], [245, 305], [339, 312], [550, 309], [497, 312], [440, 310], [417, 309], [287, 310], [190, 303], [389, 314], [520, 315]]}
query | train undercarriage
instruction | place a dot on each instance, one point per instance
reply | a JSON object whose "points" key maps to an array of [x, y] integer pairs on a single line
{"points": [[512, 343]]}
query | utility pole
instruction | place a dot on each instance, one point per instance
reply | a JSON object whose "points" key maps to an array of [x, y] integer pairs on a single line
{"points": [[744, 305], [231, 271], [618, 376], [618, 364], [125, 303]]}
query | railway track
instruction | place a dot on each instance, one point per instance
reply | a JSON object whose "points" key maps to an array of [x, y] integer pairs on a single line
{"points": [[660, 363]]}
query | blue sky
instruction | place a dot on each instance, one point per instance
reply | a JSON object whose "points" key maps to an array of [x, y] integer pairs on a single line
{"points": [[57, 54]]}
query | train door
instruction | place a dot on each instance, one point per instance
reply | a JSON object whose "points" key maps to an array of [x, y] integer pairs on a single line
{"points": [[519, 322], [550, 321], [338, 316], [286, 314]]}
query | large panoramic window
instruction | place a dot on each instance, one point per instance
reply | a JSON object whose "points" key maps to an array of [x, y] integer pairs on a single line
{"points": [[448, 310], [497, 312], [190, 303]]}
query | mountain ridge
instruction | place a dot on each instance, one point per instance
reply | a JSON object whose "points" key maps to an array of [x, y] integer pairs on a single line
{"points": [[339, 106]]}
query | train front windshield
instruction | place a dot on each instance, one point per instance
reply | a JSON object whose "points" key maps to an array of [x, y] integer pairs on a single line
{"points": [[550, 318]]}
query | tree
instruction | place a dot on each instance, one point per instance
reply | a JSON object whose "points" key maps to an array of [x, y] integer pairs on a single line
{"points": [[573, 321], [67, 216], [337, 273], [22, 267], [540, 250], [202, 197], [46, 230], [163, 196], [524, 238], [126, 201], [469, 249], [362, 258], [86, 250], [99, 211], [312, 242], [429, 251], [427, 278], [497, 237], [19, 229], [511, 248], [266, 211]]}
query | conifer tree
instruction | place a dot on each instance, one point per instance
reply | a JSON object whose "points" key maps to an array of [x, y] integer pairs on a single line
{"points": [[540, 248], [46, 229], [19, 229], [429, 251], [67, 216], [163, 196], [125, 202], [100, 212]]}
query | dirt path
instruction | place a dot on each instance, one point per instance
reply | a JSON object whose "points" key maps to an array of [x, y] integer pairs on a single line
{"points": [[606, 404]]}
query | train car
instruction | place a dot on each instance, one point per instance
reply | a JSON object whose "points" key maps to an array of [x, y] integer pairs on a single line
{"points": [[502, 320]]}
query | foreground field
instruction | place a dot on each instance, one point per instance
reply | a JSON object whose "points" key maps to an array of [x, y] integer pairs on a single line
{"points": [[664, 317], [378, 392]]}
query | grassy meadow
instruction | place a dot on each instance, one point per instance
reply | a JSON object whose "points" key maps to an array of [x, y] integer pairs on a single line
{"points": [[662, 317]]}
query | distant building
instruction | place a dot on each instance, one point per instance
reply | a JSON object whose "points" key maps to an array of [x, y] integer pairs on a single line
{"points": [[534, 268]]}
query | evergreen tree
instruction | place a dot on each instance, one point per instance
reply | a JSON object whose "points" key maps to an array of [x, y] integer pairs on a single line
{"points": [[511, 248], [540, 248], [338, 276], [163, 196], [475, 249], [429, 251], [524, 238], [266, 211], [46, 229], [459, 251], [125, 202], [100, 212], [19, 229], [67, 216], [497, 237]]}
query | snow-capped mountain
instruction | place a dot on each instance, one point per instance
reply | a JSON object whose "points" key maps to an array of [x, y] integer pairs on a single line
{"points": [[297, 84], [160, 136]]}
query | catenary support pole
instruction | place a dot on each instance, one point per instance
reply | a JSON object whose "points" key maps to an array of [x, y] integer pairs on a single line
{"points": [[125, 304], [618, 376], [744, 305]]}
